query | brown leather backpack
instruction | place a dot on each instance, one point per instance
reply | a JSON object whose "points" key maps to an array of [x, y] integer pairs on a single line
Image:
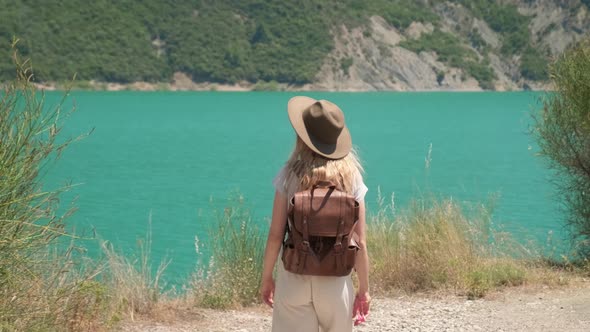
{"points": [[321, 239]]}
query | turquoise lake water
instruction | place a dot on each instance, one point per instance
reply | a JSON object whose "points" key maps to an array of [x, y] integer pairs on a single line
{"points": [[168, 154]]}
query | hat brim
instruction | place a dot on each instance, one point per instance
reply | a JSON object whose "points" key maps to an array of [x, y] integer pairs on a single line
{"points": [[343, 145]]}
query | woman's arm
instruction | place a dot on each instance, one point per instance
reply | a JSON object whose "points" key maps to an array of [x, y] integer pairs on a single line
{"points": [[362, 264], [273, 246]]}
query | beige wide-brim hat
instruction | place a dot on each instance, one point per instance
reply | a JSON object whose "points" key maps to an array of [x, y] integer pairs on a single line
{"points": [[320, 125]]}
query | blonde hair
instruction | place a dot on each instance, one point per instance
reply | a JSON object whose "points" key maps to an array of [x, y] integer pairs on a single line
{"points": [[306, 168]]}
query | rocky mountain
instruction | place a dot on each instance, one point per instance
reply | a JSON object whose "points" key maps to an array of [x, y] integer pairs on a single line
{"points": [[376, 56], [343, 45]]}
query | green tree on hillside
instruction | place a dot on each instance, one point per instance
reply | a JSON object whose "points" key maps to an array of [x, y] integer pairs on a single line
{"points": [[563, 133]]}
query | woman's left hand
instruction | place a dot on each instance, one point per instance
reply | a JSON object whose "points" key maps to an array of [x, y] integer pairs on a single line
{"points": [[360, 308]]}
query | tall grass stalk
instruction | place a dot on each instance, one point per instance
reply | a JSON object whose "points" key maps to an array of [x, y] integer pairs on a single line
{"points": [[233, 274], [133, 287]]}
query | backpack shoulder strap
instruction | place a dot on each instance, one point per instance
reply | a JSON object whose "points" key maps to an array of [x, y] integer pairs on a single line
{"points": [[305, 200]]}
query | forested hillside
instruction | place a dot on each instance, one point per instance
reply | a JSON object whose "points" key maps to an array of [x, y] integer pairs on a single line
{"points": [[306, 42]]}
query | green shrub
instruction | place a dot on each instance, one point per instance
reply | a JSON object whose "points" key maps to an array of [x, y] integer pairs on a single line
{"points": [[267, 86], [440, 77], [486, 278], [402, 13], [515, 42], [345, 64], [477, 40], [482, 72], [562, 130], [533, 65], [29, 224], [447, 47], [46, 284]]}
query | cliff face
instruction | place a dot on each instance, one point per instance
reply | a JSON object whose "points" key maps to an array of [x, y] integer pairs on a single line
{"points": [[379, 63], [376, 56]]}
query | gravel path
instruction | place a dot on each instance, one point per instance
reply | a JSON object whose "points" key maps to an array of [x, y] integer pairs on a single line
{"points": [[564, 309]]}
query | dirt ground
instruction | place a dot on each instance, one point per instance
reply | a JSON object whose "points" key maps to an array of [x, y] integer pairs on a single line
{"points": [[515, 309]]}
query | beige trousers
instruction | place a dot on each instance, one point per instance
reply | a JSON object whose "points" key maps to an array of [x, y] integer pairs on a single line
{"points": [[305, 303]]}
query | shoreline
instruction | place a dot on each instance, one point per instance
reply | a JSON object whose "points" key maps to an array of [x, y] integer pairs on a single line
{"points": [[214, 87], [181, 82]]}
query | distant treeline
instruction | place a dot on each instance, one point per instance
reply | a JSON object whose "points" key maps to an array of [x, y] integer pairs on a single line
{"points": [[211, 40]]}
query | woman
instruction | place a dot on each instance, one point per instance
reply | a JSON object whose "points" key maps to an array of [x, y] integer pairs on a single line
{"points": [[323, 152]]}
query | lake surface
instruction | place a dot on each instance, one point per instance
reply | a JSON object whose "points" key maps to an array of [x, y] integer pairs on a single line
{"points": [[166, 156]]}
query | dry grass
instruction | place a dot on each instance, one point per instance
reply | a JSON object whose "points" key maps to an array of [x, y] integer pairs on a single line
{"points": [[233, 274], [432, 245], [134, 289], [437, 244]]}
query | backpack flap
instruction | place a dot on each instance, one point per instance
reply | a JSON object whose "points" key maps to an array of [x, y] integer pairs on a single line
{"points": [[328, 212]]}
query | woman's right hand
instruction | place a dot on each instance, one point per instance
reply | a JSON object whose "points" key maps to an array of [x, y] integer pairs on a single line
{"points": [[267, 290], [273, 247]]}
